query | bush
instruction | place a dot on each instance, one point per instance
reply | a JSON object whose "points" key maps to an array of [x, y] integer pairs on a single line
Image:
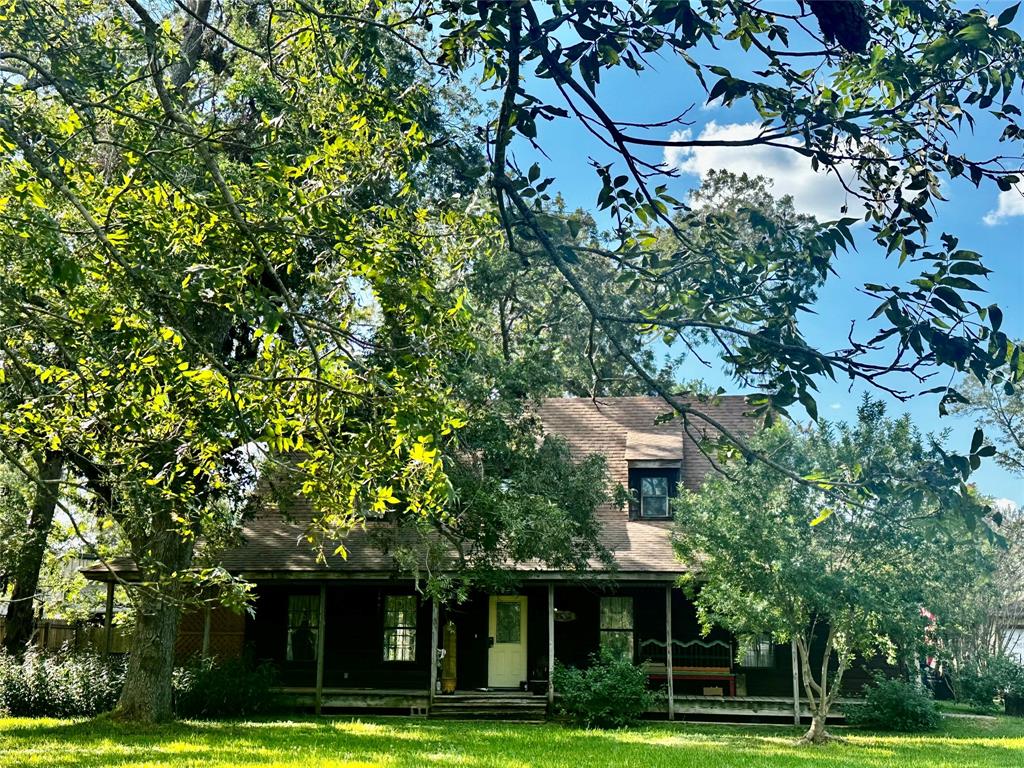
{"points": [[894, 705], [610, 693], [985, 683], [230, 688], [63, 684]]}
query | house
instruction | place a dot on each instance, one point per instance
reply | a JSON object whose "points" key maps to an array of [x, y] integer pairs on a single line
{"points": [[1012, 624], [355, 633]]}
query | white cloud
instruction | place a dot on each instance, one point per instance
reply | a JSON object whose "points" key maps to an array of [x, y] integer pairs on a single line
{"points": [[1011, 203], [819, 193], [836, 406], [1005, 505]]}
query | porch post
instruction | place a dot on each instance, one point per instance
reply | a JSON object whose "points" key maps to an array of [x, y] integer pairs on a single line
{"points": [[551, 645], [796, 684], [320, 632], [435, 617], [206, 631], [668, 653], [108, 626]]}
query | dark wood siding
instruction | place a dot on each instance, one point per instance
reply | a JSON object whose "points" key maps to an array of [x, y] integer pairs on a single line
{"points": [[353, 639], [354, 648]]}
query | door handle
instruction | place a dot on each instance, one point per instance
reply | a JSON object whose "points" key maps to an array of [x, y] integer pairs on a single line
{"points": [[490, 642]]}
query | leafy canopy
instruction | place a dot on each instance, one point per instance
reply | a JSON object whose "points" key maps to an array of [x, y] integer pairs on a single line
{"points": [[879, 94], [797, 562]]}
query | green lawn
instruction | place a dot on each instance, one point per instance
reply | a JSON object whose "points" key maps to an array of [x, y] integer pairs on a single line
{"points": [[308, 743]]}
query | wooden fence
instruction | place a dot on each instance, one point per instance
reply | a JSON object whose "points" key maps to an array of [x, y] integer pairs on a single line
{"points": [[54, 634]]}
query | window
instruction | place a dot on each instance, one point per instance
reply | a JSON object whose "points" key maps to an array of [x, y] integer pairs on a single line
{"points": [[400, 628], [303, 627], [652, 489], [654, 496], [760, 653], [507, 622], [617, 625]]}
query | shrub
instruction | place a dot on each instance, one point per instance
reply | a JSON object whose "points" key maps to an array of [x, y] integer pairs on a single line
{"points": [[982, 684], [1013, 698], [894, 705], [63, 684], [610, 693], [230, 688]]}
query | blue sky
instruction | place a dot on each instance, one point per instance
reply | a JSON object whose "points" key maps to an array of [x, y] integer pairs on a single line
{"points": [[971, 214]]}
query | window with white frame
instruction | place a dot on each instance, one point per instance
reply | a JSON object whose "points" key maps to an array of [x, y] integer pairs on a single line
{"points": [[760, 653], [303, 627], [400, 628], [617, 626], [652, 489]]}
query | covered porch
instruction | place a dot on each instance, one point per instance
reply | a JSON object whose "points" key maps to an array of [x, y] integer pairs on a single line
{"points": [[377, 640]]}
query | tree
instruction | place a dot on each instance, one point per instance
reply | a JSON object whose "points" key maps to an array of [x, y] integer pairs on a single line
{"points": [[536, 338], [1001, 411], [798, 563], [547, 340], [879, 104], [28, 514], [990, 608], [222, 239]]}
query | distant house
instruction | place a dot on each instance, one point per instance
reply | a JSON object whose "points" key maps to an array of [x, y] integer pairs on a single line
{"points": [[354, 632], [1013, 631]]}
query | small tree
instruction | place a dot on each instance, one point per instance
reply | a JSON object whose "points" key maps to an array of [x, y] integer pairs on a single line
{"points": [[797, 563], [976, 646]]}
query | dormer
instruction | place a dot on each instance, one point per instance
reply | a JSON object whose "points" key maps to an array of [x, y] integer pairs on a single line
{"points": [[654, 459]]}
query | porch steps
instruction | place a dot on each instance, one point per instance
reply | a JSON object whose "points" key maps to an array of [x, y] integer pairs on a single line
{"points": [[488, 705]]}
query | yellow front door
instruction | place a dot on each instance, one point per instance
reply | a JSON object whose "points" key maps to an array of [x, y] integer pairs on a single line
{"points": [[506, 660]]}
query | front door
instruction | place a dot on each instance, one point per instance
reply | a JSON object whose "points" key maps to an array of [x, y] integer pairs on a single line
{"points": [[506, 659]]}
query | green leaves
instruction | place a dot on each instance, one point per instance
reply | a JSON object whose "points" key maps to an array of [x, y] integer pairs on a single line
{"points": [[226, 285], [1008, 15], [824, 515], [780, 557]]}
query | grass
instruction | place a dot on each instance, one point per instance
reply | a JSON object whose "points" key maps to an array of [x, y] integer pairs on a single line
{"points": [[397, 743]]}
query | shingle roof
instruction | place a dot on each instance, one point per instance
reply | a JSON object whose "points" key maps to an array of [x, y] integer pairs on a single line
{"points": [[647, 445], [610, 426], [604, 426]]}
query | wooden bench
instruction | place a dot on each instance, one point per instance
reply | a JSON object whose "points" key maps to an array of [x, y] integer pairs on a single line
{"points": [[707, 661]]}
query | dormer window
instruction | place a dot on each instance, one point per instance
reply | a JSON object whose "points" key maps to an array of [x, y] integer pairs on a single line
{"points": [[652, 489], [654, 458], [654, 496]]}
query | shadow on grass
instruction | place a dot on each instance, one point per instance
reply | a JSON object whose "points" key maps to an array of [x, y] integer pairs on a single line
{"points": [[398, 743]]}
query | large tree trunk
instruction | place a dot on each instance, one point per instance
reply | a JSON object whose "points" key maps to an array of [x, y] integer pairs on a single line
{"points": [[817, 733], [30, 559], [146, 697]]}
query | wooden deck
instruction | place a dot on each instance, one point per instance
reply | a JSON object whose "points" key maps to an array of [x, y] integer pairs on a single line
{"points": [[490, 705], [740, 708], [411, 702], [521, 706]]}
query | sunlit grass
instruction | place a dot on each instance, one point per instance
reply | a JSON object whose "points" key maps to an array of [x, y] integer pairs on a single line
{"points": [[405, 743]]}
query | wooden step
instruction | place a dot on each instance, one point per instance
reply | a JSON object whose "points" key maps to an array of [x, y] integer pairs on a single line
{"points": [[487, 706]]}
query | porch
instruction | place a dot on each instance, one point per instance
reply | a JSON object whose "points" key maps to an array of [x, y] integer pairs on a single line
{"points": [[348, 645]]}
